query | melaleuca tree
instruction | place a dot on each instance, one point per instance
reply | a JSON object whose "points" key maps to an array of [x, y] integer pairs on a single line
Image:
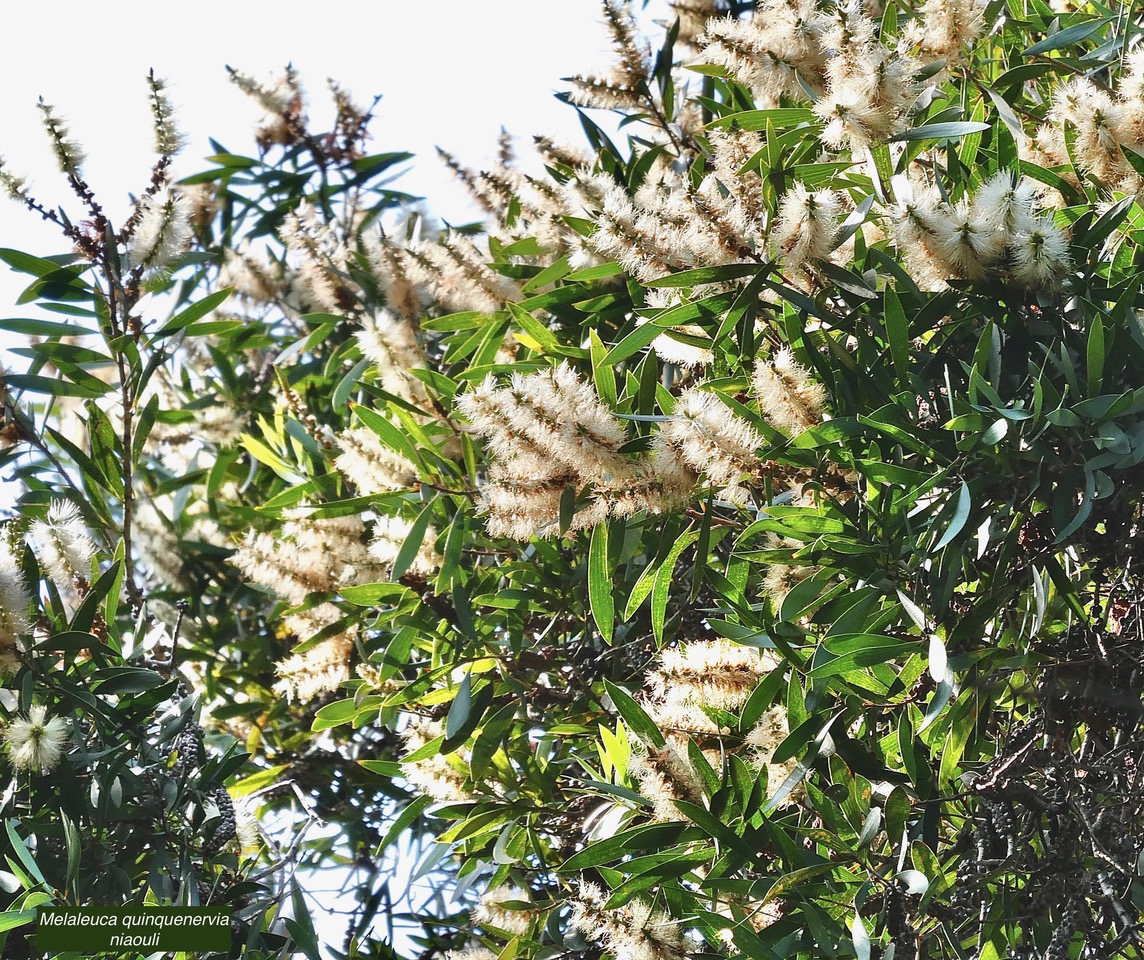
{"points": [[727, 547]]}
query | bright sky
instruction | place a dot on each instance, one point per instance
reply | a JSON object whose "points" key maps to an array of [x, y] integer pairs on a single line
{"points": [[451, 72]]}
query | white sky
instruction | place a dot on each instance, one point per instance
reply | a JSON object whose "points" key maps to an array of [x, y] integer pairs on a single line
{"points": [[451, 72]]}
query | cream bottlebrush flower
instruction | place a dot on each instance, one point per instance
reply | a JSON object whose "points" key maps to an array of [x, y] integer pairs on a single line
{"points": [[1097, 120], [255, 278], [552, 413], [457, 272], [1039, 255], [15, 600], [643, 242], [283, 102], [392, 346], [34, 742], [806, 226], [69, 153], [968, 243], [322, 668], [62, 545], [371, 466], [389, 536], [772, 51], [711, 673], [780, 578], [665, 775], [712, 439], [1131, 86], [15, 186], [310, 555], [322, 259], [519, 506], [762, 741], [1006, 201], [10, 662], [789, 398], [694, 16], [168, 139], [731, 151], [434, 776], [162, 232], [471, 953], [390, 265], [948, 27], [492, 911], [634, 931], [246, 825]]}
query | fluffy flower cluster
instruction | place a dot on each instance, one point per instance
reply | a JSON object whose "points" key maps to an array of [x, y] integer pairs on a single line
{"points": [[1103, 123], [862, 89], [706, 673], [806, 226], [389, 536], [789, 398], [63, 546], [1000, 232], [666, 228], [161, 231], [35, 742], [494, 911], [442, 777], [457, 273], [321, 258], [635, 931], [713, 441], [688, 682], [284, 119], [390, 343], [664, 775], [310, 556], [15, 603], [625, 86], [549, 432], [371, 466]]}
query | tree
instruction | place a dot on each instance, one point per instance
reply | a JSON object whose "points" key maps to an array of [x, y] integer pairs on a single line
{"points": [[728, 547]]}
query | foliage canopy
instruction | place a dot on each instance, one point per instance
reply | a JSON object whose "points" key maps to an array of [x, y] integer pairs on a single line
{"points": [[727, 547]]}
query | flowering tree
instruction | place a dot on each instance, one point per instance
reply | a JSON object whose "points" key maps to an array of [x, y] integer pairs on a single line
{"points": [[727, 547]]}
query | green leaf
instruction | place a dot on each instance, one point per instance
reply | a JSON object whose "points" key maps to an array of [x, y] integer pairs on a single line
{"points": [[960, 515], [1064, 38], [634, 716], [758, 119], [459, 709], [860, 937], [196, 311], [600, 582], [34, 383], [489, 739], [334, 715], [715, 829], [898, 334], [402, 821], [414, 541], [663, 579], [943, 131], [21, 849], [701, 275], [1095, 355]]}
